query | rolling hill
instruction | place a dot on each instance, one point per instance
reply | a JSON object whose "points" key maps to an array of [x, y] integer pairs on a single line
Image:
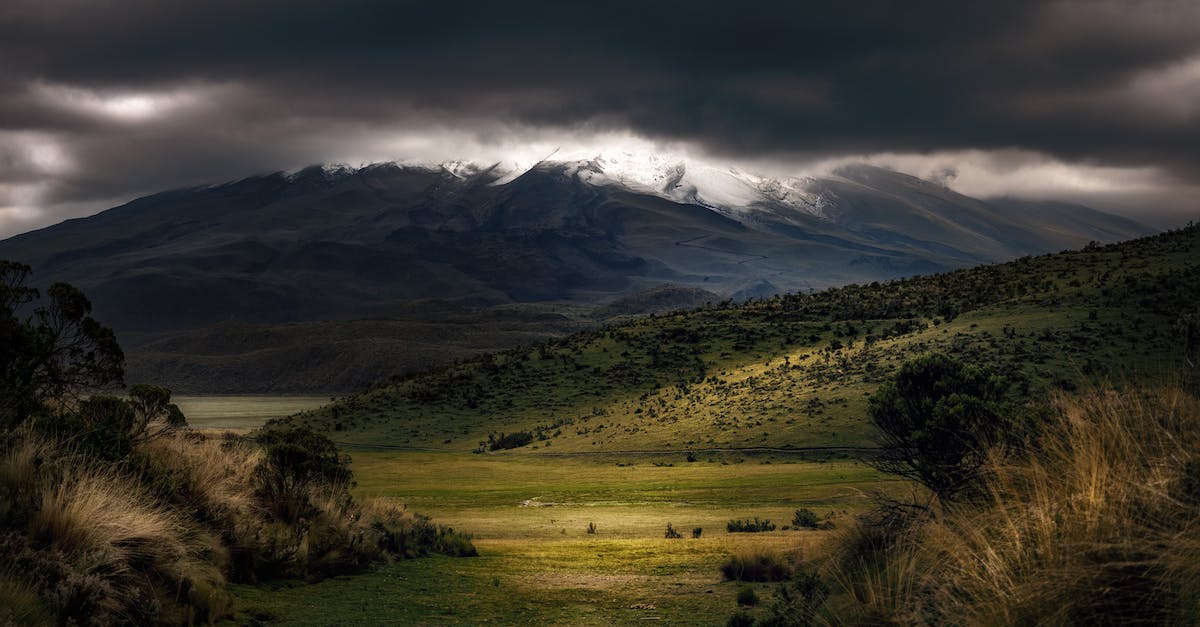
{"points": [[795, 371]]}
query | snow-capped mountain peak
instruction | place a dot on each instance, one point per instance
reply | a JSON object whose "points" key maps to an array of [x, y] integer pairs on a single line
{"points": [[678, 178]]}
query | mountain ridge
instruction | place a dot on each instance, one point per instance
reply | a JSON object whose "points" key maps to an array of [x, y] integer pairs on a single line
{"points": [[337, 243]]}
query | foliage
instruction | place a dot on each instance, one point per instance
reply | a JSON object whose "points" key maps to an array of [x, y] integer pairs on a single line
{"points": [[749, 526], [506, 441], [761, 373], [1091, 525], [49, 356], [108, 427], [297, 460], [797, 601], [755, 565], [110, 514], [747, 597], [671, 532], [740, 619], [805, 518], [935, 420]]}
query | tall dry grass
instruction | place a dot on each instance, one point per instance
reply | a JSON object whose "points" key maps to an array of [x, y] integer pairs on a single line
{"points": [[156, 536], [103, 544], [213, 476], [1097, 522]]}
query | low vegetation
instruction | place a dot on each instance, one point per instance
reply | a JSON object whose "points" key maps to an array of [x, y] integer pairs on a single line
{"points": [[1093, 523], [1018, 498], [805, 518], [798, 370], [749, 526], [112, 512], [756, 565]]}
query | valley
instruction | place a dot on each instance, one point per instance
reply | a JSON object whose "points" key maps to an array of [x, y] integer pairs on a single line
{"points": [[529, 515], [712, 314]]}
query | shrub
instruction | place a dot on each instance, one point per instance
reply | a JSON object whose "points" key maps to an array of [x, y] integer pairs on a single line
{"points": [[935, 420], [509, 440], [591, 528], [697, 531], [755, 565], [806, 518], [740, 619], [402, 534], [747, 597], [797, 601], [297, 461], [671, 532], [749, 526], [1085, 526]]}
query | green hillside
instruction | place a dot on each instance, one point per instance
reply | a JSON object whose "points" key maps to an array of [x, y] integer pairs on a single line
{"points": [[795, 371]]}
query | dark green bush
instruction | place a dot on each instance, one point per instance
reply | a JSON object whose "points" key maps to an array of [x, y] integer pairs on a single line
{"points": [[806, 518], [415, 536], [797, 601], [755, 566], [297, 460], [934, 421], [747, 597], [509, 440], [749, 526], [740, 619]]}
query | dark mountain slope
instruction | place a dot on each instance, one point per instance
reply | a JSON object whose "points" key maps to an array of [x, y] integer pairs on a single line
{"points": [[339, 244]]}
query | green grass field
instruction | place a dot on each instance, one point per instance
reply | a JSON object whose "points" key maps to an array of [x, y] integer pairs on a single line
{"points": [[538, 565], [239, 413], [793, 372]]}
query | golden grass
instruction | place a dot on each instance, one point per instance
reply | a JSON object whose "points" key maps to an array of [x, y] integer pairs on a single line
{"points": [[1092, 524], [103, 525], [215, 472], [90, 509]]}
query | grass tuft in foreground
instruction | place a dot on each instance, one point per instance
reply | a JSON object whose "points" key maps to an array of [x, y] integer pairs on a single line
{"points": [[1093, 523]]}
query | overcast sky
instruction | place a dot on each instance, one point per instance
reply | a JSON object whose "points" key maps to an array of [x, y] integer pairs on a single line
{"points": [[103, 101]]}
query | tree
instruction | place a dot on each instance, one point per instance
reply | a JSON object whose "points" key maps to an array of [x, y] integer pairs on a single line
{"points": [[297, 461], [51, 355], [152, 407], [935, 420]]}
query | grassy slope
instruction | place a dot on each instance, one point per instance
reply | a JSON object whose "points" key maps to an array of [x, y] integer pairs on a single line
{"points": [[770, 373]]}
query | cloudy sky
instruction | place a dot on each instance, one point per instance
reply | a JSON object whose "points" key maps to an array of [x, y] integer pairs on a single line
{"points": [[1093, 101]]}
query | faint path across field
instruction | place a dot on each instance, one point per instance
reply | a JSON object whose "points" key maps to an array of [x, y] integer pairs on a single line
{"points": [[808, 450]]}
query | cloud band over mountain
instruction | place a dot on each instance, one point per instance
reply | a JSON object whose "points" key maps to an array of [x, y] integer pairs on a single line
{"points": [[1093, 101]]}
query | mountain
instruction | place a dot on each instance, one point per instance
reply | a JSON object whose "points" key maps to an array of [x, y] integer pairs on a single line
{"points": [[334, 243]]}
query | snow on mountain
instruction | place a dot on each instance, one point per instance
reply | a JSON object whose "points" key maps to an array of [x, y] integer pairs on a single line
{"points": [[675, 177]]}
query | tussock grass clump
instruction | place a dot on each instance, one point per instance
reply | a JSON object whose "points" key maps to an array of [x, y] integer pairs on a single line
{"points": [[1094, 522], [756, 565], [155, 537], [100, 543]]}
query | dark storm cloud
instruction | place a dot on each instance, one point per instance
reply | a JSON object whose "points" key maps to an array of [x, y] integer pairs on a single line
{"points": [[231, 87]]}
